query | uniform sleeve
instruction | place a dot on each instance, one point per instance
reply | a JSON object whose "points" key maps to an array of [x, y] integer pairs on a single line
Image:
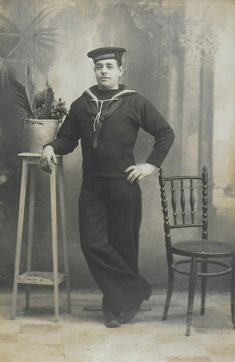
{"points": [[68, 134], [153, 123]]}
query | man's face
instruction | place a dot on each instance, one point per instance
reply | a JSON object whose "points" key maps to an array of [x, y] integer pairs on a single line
{"points": [[107, 73]]}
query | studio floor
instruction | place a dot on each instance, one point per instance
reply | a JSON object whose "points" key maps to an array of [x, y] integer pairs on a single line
{"points": [[82, 337]]}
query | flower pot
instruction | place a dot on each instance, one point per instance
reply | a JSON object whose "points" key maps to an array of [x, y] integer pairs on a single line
{"points": [[38, 132]]}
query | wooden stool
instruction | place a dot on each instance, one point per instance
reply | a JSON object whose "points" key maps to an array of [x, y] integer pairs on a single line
{"points": [[30, 161]]}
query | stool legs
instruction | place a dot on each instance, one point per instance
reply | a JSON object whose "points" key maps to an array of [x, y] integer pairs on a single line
{"points": [[36, 277], [54, 241], [30, 228], [64, 236], [19, 233]]}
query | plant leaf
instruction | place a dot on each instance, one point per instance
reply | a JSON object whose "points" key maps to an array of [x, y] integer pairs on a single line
{"points": [[21, 96], [30, 88], [39, 99], [48, 103]]}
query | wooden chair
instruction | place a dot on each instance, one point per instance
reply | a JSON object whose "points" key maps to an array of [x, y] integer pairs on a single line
{"points": [[182, 195]]}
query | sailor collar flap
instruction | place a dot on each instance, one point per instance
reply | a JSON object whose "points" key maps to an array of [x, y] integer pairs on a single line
{"points": [[117, 96], [95, 107]]}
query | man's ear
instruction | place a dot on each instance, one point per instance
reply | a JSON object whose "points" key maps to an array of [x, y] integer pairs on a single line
{"points": [[121, 68]]}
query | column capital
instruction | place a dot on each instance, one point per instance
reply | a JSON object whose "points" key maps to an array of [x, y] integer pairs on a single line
{"points": [[197, 46]]}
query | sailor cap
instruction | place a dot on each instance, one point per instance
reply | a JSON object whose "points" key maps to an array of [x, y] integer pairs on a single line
{"points": [[106, 53]]}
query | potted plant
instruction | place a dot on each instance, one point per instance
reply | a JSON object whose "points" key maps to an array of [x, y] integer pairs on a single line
{"points": [[44, 113]]}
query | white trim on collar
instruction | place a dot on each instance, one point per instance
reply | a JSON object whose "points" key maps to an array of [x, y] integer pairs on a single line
{"points": [[115, 97]]}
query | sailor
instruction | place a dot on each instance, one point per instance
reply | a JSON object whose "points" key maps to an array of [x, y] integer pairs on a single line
{"points": [[106, 119]]}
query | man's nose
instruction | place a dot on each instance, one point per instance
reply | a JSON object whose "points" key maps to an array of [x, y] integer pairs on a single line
{"points": [[104, 70]]}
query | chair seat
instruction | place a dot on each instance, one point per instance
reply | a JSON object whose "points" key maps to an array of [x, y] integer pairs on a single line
{"points": [[203, 248]]}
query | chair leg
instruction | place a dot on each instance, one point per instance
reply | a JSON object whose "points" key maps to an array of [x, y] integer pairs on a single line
{"points": [[203, 286], [192, 284], [169, 292], [233, 292]]}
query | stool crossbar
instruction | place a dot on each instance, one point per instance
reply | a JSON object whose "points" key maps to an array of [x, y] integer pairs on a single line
{"points": [[30, 277]]}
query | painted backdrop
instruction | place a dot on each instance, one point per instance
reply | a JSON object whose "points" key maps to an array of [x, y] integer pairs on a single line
{"points": [[180, 55]]}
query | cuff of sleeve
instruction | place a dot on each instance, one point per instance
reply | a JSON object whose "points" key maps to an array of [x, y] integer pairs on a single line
{"points": [[48, 144], [156, 163]]}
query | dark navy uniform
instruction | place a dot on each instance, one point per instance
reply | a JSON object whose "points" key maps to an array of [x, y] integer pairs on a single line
{"points": [[107, 123]]}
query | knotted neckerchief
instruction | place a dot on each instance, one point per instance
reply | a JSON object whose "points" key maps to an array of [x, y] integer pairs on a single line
{"points": [[97, 105]]}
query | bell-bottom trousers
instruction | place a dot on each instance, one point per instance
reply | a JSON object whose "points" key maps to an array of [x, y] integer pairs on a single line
{"points": [[109, 218]]}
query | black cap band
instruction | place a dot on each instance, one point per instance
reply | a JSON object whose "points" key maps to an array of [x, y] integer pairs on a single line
{"points": [[106, 53]]}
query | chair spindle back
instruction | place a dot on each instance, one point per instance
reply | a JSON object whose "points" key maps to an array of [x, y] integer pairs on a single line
{"points": [[185, 217]]}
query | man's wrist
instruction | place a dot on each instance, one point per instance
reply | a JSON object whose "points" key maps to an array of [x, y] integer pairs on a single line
{"points": [[49, 147], [152, 165]]}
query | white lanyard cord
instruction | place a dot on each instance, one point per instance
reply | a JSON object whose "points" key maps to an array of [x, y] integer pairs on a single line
{"points": [[96, 100], [96, 120]]}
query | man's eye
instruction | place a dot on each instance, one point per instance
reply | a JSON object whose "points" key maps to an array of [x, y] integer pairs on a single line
{"points": [[110, 67], [98, 67]]}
